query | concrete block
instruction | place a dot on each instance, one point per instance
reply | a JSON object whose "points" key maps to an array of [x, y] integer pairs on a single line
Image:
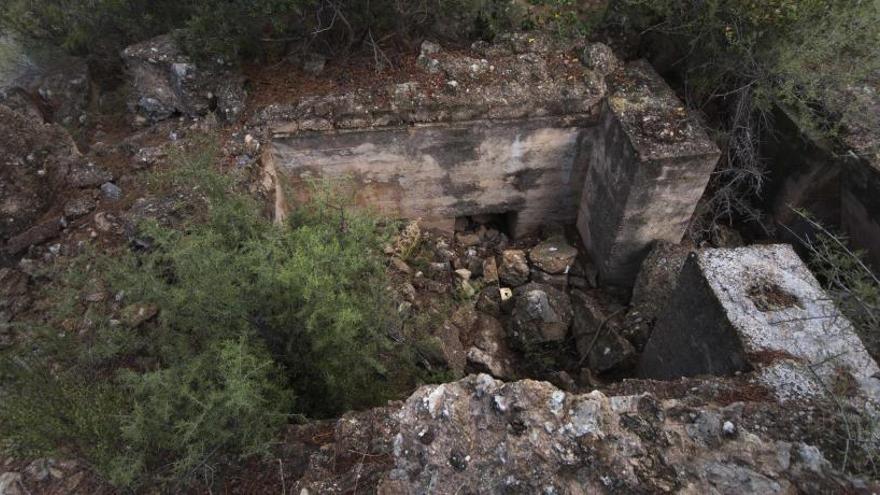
{"points": [[648, 168], [748, 308]]}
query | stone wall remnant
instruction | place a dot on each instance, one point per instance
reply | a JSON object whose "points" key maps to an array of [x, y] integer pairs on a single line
{"points": [[751, 308]]}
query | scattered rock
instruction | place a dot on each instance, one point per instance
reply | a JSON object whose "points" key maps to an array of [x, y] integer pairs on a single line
{"points": [[600, 58], [554, 256], [463, 274], [450, 347], [11, 484], [149, 156], [426, 56], [489, 301], [53, 87], [540, 314], [429, 48], [597, 333], [35, 235], [400, 265], [489, 352], [105, 222], [466, 289], [87, 175], [559, 281], [490, 270], [136, 315], [43, 469], [111, 191], [78, 207], [514, 269], [467, 239], [166, 82], [728, 429]]}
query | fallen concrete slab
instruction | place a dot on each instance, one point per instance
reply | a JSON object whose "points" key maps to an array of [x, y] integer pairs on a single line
{"points": [[748, 308]]}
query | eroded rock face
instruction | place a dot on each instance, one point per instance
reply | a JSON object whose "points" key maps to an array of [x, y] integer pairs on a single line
{"points": [[35, 160], [480, 435], [167, 82]]}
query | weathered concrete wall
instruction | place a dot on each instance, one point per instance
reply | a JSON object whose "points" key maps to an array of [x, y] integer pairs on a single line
{"points": [[648, 168], [435, 172]]}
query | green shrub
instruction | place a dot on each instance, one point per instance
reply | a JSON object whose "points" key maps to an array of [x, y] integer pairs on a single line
{"points": [[567, 18], [97, 28], [237, 29], [229, 398], [249, 313]]}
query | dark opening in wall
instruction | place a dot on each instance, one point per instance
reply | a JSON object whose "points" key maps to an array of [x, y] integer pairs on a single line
{"points": [[501, 222]]}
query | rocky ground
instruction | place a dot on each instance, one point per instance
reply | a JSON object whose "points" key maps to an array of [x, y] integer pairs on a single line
{"points": [[545, 397]]}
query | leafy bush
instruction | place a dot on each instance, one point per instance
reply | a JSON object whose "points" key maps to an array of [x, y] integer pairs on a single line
{"points": [[98, 28], [567, 18], [237, 29], [247, 314]]}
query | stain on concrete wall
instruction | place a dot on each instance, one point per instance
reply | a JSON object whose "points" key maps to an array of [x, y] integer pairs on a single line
{"points": [[435, 172]]}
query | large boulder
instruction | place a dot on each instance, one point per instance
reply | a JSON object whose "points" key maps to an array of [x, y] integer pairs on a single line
{"points": [[541, 314], [35, 161], [166, 82], [480, 435]]}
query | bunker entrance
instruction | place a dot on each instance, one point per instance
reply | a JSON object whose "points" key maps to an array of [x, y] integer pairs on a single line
{"points": [[498, 223]]}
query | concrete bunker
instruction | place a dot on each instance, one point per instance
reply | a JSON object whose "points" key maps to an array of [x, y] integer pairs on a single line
{"points": [[526, 131]]}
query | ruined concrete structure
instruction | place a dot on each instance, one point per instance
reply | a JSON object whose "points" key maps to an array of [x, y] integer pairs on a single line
{"points": [[526, 131], [839, 187], [758, 308]]}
